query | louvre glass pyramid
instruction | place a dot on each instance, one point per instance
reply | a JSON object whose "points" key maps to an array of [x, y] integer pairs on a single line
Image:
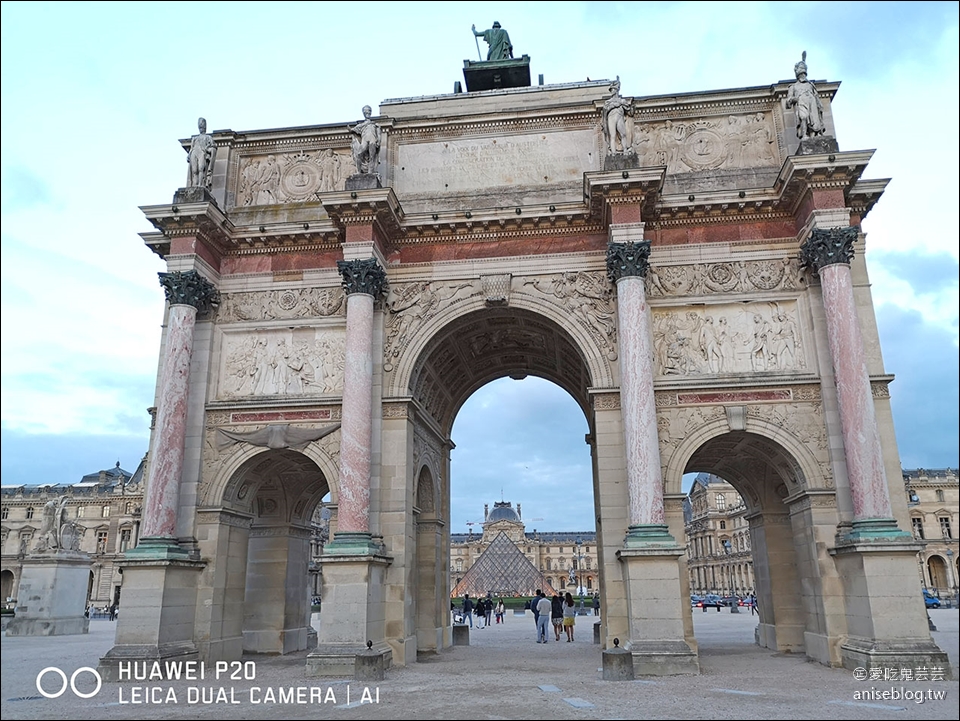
{"points": [[502, 570]]}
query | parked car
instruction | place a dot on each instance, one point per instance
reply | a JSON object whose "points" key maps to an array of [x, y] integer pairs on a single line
{"points": [[732, 601], [710, 601], [929, 600], [694, 600]]}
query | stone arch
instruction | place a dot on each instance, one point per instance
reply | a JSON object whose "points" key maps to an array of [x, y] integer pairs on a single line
{"points": [[784, 510], [8, 583], [256, 537], [429, 564], [599, 365]]}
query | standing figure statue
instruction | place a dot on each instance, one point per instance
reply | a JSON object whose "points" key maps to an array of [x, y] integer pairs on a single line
{"points": [[615, 110], [366, 144], [803, 95], [498, 40], [54, 517], [200, 156]]}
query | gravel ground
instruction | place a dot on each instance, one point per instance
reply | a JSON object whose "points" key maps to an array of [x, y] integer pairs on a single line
{"points": [[503, 674]]}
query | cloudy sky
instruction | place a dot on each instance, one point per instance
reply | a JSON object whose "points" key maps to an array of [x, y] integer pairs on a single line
{"points": [[96, 95]]}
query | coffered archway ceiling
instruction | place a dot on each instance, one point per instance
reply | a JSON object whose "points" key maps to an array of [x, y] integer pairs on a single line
{"points": [[486, 345]]}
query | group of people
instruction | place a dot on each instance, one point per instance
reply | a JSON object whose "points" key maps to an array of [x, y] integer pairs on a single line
{"points": [[110, 611], [558, 610], [485, 609]]}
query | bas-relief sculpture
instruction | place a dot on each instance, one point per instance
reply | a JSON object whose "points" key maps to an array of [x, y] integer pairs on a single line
{"points": [[410, 305], [366, 143], [498, 40], [735, 141], [281, 304], [200, 157], [588, 298], [728, 338], [291, 177], [803, 96], [302, 362], [739, 276]]}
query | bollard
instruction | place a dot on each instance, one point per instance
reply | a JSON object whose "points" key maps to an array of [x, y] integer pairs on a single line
{"points": [[704, 608], [596, 632], [617, 663], [368, 666], [461, 634], [734, 607]]}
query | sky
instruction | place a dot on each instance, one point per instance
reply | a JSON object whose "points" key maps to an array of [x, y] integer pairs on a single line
{"points": [[95, 97]]}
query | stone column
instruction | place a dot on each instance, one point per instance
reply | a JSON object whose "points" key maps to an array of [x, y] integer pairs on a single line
{"points": [[627, 266], [829, 252], [187, 293], [364, 281]]}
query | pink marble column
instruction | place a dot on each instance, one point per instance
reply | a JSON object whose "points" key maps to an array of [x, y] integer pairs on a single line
{"points": [[830, 252], [627, 266], [364, 281], [187, 293]]}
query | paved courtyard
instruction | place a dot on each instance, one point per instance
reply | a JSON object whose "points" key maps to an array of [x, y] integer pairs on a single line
{"points": [[502, 674]]}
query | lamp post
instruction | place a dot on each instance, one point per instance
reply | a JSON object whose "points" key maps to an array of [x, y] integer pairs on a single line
{"points": [[952, 571]]}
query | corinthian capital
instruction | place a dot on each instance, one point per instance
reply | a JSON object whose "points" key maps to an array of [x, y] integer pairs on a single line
{"points": [[628, 259], [363, 276], [189, 288], [829, 246]]}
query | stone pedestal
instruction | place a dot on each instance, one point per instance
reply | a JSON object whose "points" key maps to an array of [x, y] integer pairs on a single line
{"points": [[618, 665], [821, 144], [353, 614], [621, 161], [887, 623], [195, 194], [164, 593], [53, 595], [362, 181], [657, 643], [497, 74], [461, 634]]}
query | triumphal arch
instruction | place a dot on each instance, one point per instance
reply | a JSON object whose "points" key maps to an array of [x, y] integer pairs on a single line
{"points": [[688, 267]]}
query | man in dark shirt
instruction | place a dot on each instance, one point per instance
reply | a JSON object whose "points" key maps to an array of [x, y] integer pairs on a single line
{"points": [[468, 608]]}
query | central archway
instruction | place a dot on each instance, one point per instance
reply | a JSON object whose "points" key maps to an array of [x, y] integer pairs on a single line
{"points": [[463, 355]]}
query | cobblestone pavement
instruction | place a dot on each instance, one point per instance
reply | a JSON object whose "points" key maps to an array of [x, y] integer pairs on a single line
{"points": [[502, 674]]}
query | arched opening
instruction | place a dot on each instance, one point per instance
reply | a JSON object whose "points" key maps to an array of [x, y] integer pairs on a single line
{"points": [[265, 535], [7, 583], [493, 369], [760, 550], [937, 573]]}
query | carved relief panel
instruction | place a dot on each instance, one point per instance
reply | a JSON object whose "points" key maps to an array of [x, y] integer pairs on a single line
{"points": [[286, 304], [727, 338], [274, 178], [735, 141], [291, 362], [734, 277]]}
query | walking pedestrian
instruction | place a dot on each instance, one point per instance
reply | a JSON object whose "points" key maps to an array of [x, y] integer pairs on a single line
{"points": [[569, 617], [556, 614], [468, 608], [543, 620]]}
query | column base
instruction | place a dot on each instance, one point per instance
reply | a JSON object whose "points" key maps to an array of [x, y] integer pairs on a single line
{"points": [[53, 593], [649, 535], [157, 548], [655, 609], [875, 529], [917, 653], [353, 543]]}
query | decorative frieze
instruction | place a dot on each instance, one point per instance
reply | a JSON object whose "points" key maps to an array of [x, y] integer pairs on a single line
{"points": [[292, 177], [287, 304], [606, 401], [733, 277]]}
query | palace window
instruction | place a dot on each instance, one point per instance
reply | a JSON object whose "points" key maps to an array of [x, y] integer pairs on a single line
{"points": [[917, 527], [945, 530], [81, 511], [459, 565], [126, 535], [549, 564], [29, 512], [940, 495], [105, 512], [5, 513], [723, 525], [101, 541], [721, 502]]}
